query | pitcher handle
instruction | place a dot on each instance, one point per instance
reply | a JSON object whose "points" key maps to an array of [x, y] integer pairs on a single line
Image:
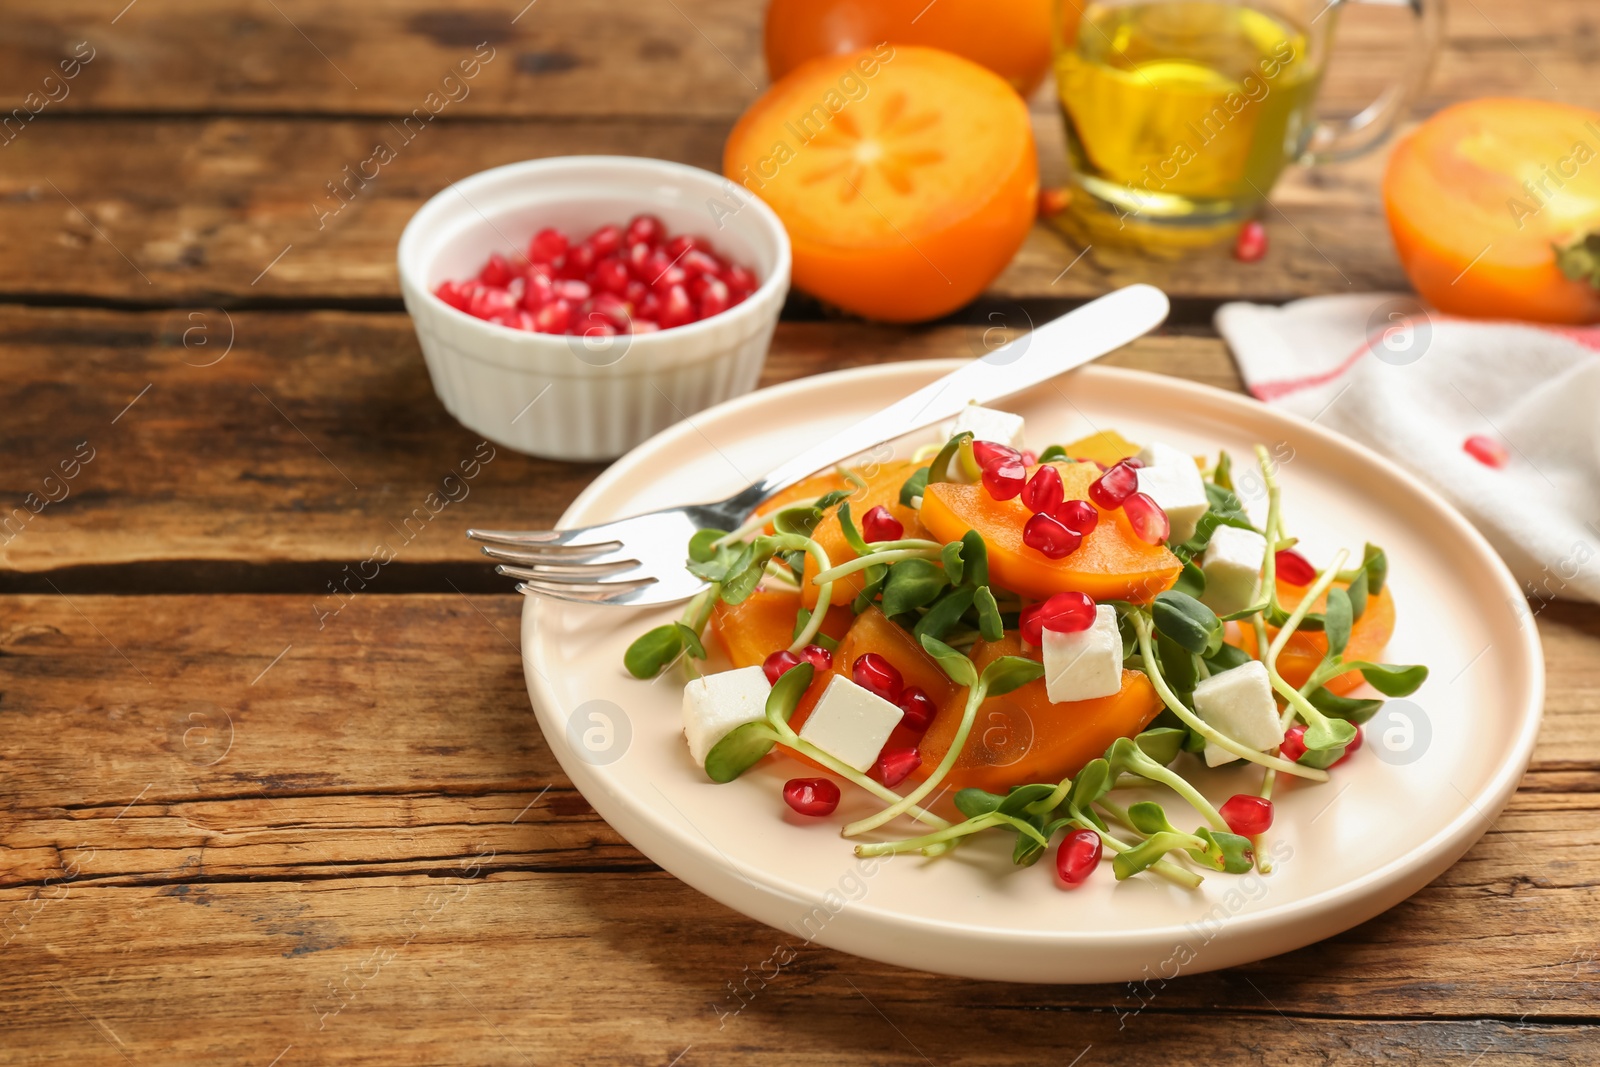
{"points": [[1365, 130]]}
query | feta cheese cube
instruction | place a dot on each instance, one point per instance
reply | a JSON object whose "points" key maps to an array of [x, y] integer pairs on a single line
{"points": [[850, 723], [1087, 664], [716, 704], [1232, 567], [1171, 478], [985, 424], [1239, 703]]}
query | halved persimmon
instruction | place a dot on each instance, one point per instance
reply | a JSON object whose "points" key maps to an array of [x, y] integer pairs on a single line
{"points": [[882, 489], [763, 622], [1010, 37], [1304, 650], [905, 176], [1480, 197], [1023, 737], [1111, 564]]}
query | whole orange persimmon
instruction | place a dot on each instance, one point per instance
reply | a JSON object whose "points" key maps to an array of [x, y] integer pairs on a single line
{"points": [[906, 177], [1489, 200], [1010, 37]]}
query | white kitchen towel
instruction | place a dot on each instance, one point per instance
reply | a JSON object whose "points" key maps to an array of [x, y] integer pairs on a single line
{"points": [[1414, 384]]}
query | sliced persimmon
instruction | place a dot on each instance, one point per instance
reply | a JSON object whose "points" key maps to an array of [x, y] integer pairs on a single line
{"points": [[1304, 650], [1023, 737], [802, 492], [1111, 564], [873, 631], [1103, 446], [752, 630], [882, 488]]}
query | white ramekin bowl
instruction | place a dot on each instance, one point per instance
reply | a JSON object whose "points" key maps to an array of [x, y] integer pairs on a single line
{"points": [[586, 398]]}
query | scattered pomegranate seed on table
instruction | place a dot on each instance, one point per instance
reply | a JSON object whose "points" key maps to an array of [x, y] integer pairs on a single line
{"points": [[1294, 568], [879, 525], [778, 664], [1053, 201], [1078, 855], [877, 675], [1486, 450], [811, 796], [918, 707], [1247, 815], [894, 764], [1149, 522], [1252, 242], [637, 279]]}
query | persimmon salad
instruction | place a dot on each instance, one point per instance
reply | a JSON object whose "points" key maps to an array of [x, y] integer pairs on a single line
{"points": [[1031, 635]]}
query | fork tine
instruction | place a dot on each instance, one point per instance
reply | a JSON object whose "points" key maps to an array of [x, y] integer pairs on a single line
{"points": [[581, 596], [553, 540], [572, 563], [568, 583]]}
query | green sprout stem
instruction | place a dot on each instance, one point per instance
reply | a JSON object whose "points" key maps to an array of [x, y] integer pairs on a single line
{"points": [[1301, 705], [892, 552], [1200, 726], [975, 697], [788, 543]]}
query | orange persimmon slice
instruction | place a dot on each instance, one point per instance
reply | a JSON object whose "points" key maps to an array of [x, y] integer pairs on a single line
{"points": [[1304, 650]]}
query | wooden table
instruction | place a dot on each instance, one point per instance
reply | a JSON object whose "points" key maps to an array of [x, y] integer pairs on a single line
{"points": [[239, 829]]}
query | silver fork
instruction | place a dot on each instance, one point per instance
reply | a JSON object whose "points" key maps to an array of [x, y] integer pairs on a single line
{"points": [[639, 561]]}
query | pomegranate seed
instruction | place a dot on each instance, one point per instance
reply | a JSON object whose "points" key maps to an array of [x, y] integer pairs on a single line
{"points": [[636, 292], [1079, 515], [988, 454], [1252, 242], [1486, 450], [712, 296], [1044, 492], [778, 664], [1294, 743], [1005, 480], [894, 764], [592, 324], [554, 317], [488, 301], [611, 275], [646, 228], [676, 308], [1030, 458], [497, 272], [682, 243], [548, 271], [612, 309], [1067, 613], [1247, 815], [1351, 748], [811, 796], [649, 307], [1114, 486], [547, 246], [572, 290], [637, 257], [697, 262], [741, 279], [607, 240], [918, 707], [453, 295], [879, 525], [580, 261], [1031, 626], [1149, 522], [1052, 201], [664, 275], [818, 657], [1078, 856], [1046, 535], [1294, 568], [877, 675], [538, 290]]}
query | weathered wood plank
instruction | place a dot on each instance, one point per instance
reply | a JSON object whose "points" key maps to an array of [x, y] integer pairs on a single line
{"points": [[610, 57], [313, 438], [227, 209]]}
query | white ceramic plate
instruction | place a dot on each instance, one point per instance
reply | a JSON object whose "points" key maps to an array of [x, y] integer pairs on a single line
{"points": [[1393, 817]]}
